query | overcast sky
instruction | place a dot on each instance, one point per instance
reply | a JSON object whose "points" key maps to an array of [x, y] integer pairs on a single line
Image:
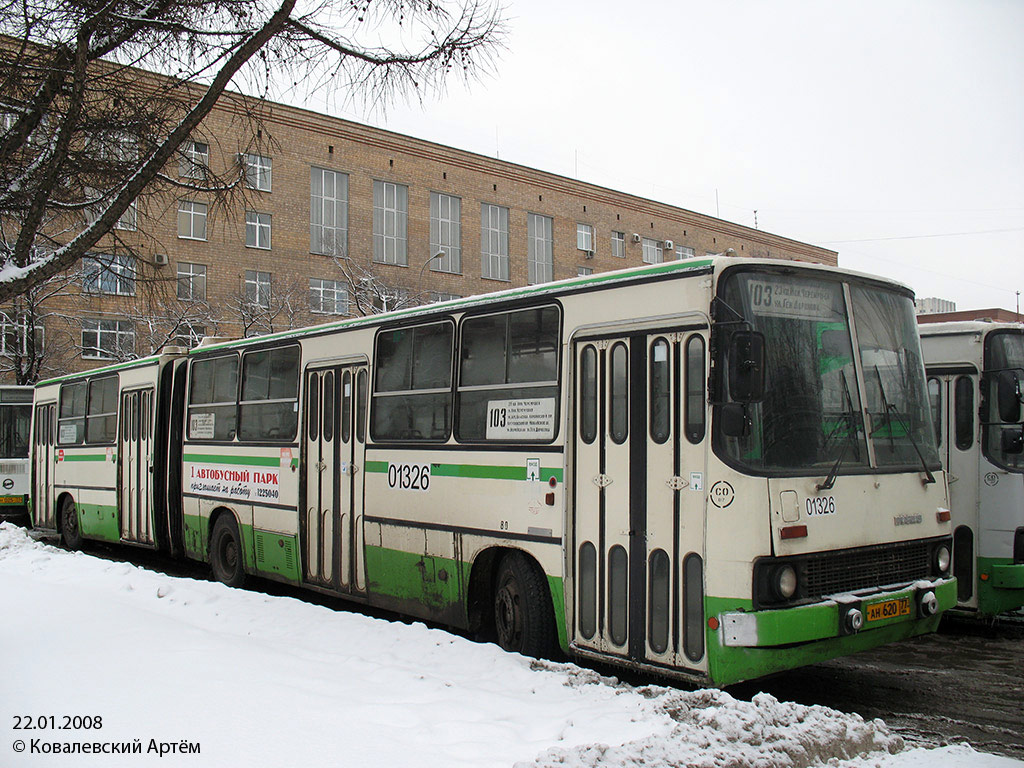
{"points": [[891, 131]]}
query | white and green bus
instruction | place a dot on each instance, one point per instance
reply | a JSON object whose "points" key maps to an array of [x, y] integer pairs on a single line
{"points": [[15, 413], [711, 469], [975, 372]]}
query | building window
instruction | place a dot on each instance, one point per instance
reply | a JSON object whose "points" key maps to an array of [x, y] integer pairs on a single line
{"points": [[189, 335], [582, 271], [195, 160], [129, 220], [257, 230], [257, 171], [436, 296], [257, 288], [653, 252], [494, 241], [683, 252], [328, 297], [445, 232], [328, 212], [191, 220], [14, 337], [619, 245], [114, 275], [585, 238], [99, 201], [539, 249], [191, 281], [390, 223], [107, 340]]}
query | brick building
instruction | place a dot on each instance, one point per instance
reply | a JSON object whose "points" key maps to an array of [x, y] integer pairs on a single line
{"points": [[336, 214]]}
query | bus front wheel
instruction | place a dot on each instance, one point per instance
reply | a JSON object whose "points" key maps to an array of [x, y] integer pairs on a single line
{"points": [[226, 559], [69, 529], [522, 608]]}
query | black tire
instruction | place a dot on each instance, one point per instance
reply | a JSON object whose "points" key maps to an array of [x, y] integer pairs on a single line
{"points": [[226, 560], [69, 529], [523, 618]]}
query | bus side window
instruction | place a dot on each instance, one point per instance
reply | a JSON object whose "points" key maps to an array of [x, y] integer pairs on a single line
{"points": [[101, 414], [412, 385], [213, 398], [508, 377], [963, 411], [695, 409], [660, 377], [71, 421], [935, 402], [268, 407]]}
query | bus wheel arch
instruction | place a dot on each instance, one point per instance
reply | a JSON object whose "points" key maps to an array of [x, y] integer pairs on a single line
{"points": [[225, 548], [68, 525], [510, 600]]}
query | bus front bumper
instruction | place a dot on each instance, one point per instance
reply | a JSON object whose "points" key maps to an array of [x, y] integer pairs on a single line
{"points": [[840, 616]]}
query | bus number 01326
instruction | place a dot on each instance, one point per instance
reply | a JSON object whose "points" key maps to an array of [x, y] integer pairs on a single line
{"points": [[409, 477]]}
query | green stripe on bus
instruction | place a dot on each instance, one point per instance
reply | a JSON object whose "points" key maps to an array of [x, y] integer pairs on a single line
{"points": [[86, 457], [249, 461], [475, 471]]}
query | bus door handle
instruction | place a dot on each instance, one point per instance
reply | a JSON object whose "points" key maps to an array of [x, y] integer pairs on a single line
{"points": [[602, 481], [321, 466]]}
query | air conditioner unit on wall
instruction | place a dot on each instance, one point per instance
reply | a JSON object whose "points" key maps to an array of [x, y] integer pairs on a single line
{"points": [[160, 259], [669, 245], [588, 254], [636, 237]]}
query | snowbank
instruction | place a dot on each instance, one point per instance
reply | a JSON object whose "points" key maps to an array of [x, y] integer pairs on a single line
{"points": [[257, 680]]}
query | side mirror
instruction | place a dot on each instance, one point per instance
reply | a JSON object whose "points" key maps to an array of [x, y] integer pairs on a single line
{"points": [[1012, 440], [746, 367], [1008, 395], [734, 419]]}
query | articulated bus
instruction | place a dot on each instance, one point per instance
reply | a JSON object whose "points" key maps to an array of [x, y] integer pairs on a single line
{"points": [[15, 417], [709, 469], [975, 372]]}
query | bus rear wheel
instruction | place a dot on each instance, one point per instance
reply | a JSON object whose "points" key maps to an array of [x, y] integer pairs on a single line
{"points": [[226, 559], [523, 616], [69, 529]]}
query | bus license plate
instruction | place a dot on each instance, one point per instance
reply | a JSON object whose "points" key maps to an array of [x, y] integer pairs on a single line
{"points": [[11, 499], [889, 609]]}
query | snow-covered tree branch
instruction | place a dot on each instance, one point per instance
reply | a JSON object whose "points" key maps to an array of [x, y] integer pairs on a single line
{"points": [[97, 101]]}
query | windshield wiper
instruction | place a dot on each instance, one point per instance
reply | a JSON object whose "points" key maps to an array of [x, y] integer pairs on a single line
{"points": [[850, 422], [890, 408]]}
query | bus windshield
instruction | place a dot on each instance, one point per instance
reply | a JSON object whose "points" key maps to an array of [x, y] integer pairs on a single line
{"points": [[14, 424], [1004, 352], [825, 407]]}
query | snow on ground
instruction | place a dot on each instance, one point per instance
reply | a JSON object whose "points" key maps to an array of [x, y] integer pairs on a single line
{"points": [[257, 680]]}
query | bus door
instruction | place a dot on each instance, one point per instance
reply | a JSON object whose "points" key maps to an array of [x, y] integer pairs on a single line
{"points": [[135, 466], [639, 496], [335, 436], [954, 401], [43, 458]]}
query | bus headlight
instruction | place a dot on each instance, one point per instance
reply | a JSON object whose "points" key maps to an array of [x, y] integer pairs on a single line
{"points": [[784, 582], [942, 559]]}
